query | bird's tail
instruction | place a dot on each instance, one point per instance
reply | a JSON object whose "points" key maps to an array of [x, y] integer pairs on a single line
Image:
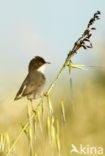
{"points": [[20, 91]]}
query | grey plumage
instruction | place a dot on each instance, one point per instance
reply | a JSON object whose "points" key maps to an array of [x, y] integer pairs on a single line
{"points": [[34, 82]]}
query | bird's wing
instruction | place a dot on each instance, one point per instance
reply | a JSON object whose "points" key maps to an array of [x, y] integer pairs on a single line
{"points": [[21, 90], [36, 81]]}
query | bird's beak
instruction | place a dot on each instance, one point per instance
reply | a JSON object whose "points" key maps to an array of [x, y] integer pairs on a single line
{"points": [[48, 62]]}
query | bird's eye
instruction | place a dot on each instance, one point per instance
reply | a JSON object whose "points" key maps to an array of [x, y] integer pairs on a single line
{"points": [[40, 63]]}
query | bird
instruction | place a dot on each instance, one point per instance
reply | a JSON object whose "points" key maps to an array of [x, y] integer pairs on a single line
{"points": [[34, 82]]}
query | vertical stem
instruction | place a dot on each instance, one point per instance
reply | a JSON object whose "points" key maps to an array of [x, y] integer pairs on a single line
{"points": [[31, 129], [71, 83], [71, 89]]}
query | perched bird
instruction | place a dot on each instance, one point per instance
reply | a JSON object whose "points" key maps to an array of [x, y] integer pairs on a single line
{"points": [[34, 82]]}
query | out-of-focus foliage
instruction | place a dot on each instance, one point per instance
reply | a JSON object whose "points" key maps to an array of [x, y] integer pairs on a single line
{"points": [[81, 121]]}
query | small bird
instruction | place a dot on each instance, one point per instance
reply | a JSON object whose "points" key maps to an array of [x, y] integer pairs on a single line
{"points": [[35, 80]]}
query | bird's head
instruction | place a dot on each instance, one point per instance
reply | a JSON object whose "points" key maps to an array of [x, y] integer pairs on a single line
{"points": [[37, 63]]}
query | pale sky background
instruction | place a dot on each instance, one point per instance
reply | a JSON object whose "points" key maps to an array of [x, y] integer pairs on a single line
{"points": [[47, 28]]}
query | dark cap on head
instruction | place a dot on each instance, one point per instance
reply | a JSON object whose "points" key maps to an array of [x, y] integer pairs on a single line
{"points": [[35, 63]]}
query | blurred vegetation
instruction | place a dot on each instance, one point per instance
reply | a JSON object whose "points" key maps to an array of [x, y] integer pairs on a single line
{"points": [[80, 121], [74, 113]]}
